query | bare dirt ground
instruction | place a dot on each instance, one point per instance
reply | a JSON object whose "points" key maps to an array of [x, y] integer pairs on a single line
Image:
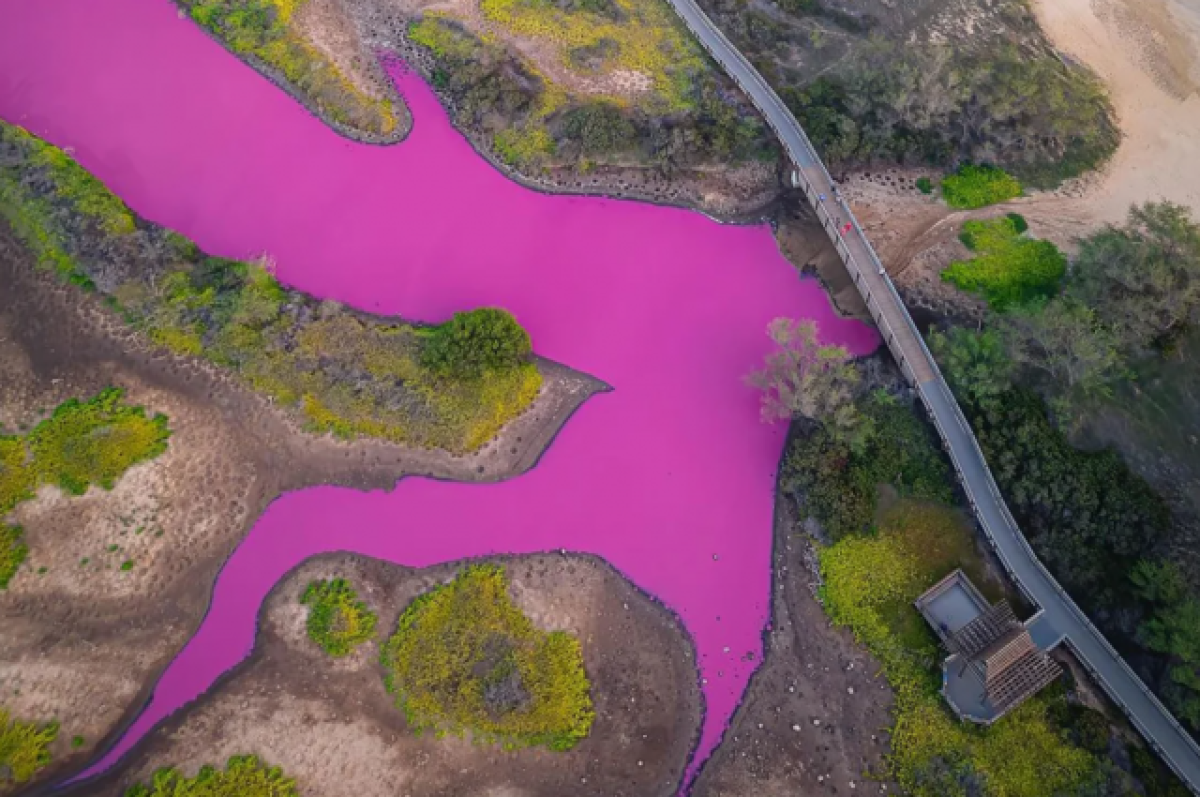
{"points": [[814, 720], [81, 642], [331, 725]]}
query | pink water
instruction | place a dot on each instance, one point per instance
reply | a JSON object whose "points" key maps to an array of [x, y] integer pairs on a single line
{"points": [[669, 477]]}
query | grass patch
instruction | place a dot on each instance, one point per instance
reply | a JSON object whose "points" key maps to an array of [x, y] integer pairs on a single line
{"points": [[343, 372], [244, 776], [870, 583], [978, 186], [24, 748], [633, 36], [95, 441], [465, 658], [13, 553], [837, 485], [261, 29], [1008, 269], [337, 621]]}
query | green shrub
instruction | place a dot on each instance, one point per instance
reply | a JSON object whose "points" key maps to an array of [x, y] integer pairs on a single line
{"points": [[13, 553], [1156, 778], [337, 620], [1008, 269], [24, 748], [1019, 223], [838, 485], [924, 185], [18, 478], [95, 441], [897, 101], [599, 128], [979, 186], [243, 776], [464, 658], [473, 343], [77, 742]]}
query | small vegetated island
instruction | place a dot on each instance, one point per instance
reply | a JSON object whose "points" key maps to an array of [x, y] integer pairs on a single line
{"points": [[450, 387], [465, 659], [338, 621]]}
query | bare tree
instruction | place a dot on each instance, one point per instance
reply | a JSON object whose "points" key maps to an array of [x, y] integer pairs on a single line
{"points": [[804, 379]]}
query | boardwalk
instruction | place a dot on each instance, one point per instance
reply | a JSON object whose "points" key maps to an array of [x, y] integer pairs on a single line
{"points": [[1059, 620]]}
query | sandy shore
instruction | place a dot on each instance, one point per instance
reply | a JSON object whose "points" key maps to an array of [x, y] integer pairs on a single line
{"points": [[1148, 55]]}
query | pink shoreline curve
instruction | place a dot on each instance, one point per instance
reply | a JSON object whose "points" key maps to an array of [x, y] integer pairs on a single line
{"points": [[669, 477]]}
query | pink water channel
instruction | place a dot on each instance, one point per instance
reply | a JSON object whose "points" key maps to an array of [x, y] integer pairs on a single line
{"points": [[669, 477]]}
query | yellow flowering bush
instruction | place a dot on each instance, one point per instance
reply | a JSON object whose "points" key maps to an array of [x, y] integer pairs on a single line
{"points": [[23, 748], [647, 38], [870, 583], [465, 658]]}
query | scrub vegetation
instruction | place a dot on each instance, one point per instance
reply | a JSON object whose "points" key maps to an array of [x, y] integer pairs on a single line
{"points": [[344, 372], [683, 118], [1009, 268], [24, 748], [1032, 382], [838, 481], [244, 776], [937, 84], [337, 620], [464, 659], [264, 30], [82, 443]]}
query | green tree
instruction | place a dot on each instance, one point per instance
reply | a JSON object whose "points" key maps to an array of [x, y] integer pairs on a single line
{"points": [[1143, 278], [1173, 629], [472, 343], [976, 364], [1064, 340]]}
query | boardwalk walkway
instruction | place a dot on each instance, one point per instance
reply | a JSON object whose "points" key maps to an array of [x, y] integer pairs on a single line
{"points": [[1060, 619]]}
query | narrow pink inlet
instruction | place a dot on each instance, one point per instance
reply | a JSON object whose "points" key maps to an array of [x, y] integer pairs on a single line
{"points": [[669, 477]]}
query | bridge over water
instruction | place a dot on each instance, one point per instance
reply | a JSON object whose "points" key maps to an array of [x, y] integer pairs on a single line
{"points": [[1059, 619]]}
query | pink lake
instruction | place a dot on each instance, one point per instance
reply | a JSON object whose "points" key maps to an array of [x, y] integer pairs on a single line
{"points": [[669, 477]]}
